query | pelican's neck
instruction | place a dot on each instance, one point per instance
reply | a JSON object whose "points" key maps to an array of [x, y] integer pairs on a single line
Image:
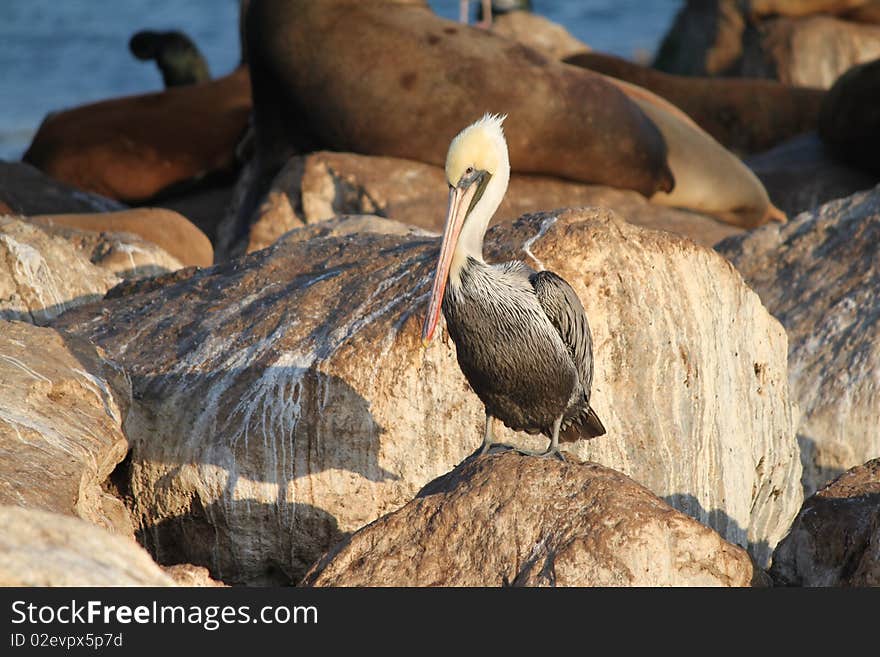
{"points": [[470, 241]]}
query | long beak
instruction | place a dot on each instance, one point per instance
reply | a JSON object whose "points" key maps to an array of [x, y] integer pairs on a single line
{"points": [[459, 204]]}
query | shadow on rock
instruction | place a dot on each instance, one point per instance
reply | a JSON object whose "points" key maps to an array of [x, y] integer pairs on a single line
{"points": [[815, 474], [197, 537], [251, 453], [721, 522]]}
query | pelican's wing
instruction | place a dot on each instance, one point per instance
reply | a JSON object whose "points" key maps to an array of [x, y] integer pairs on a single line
{"points": [[565, 311]]}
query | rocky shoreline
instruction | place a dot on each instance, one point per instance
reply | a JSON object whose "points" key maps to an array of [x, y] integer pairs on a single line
{"points": [[239, 395]]}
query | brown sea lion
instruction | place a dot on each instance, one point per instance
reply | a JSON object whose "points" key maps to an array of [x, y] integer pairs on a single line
{"points": [[849, 123], [866, 13], [745, 115], [136, 147], [391, 78], [762, 8], [167, 229]]}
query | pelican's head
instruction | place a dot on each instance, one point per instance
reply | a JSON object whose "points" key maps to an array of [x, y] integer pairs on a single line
{"points": [[477, 170]]}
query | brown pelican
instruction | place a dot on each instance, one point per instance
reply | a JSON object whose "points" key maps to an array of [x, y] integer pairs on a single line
{"points": [[521, 336]]}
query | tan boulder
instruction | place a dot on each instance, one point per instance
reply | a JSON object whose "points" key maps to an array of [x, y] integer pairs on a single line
{"points": [[322, 185], [42, 275], [62, 406], [40, 548], [533, 30], [284, 398], [810, 52], [45, 270], [819, 276], [186, 574], [204, 207], [173, 232], [510, 520], [24, 189], [835, 539], [704, 39]]}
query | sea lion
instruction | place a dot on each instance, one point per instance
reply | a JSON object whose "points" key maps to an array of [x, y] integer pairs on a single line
{"points": [[136, 147], [866, 13], [392, 78], [745, 115], [709, 178], [762, 8], [177, 57], [849, 123]]}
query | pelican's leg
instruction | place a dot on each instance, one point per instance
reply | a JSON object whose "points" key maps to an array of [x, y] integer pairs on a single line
{"points": [[553, 449], [487, 437], [463, 11], [486, 23]]}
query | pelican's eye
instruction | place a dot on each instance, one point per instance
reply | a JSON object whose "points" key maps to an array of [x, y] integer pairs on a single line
{"points": [[469, 170]]}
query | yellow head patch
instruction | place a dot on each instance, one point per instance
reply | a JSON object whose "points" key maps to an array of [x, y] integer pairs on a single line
{"points": [[481, 145]]}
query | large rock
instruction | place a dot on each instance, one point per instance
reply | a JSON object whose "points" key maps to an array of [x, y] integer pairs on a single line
{"points": [[173, 232], [42, 275], [801, 174], [322, 185], [705, 39], [24, 189], [185, 574], [715, 37], [819, 276], [39, 548], [62, 406], [284, 398], [812, 51], [835, 539], [45, 270], [535, 31], [510, 520]]}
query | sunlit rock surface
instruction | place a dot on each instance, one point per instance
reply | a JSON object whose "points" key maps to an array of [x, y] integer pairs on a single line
{"points": [[62, 407], [508, 519], [284, 399], [40, 548], [820, 276]]}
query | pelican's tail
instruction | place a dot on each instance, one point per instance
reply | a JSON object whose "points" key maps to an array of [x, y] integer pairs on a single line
{"points": [[585, 427]]}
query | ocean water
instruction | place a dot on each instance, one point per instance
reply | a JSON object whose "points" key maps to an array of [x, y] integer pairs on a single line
{"points": [[62, 53]]}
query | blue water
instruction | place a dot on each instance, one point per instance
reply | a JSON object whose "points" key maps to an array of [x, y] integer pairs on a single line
{"points": [[61, 53]]}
